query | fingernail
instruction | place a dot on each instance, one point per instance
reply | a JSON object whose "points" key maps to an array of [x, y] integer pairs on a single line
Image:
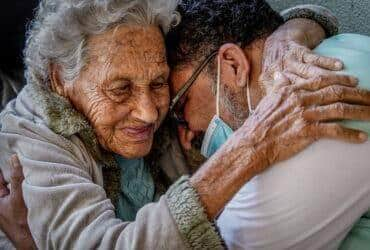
{"points": [[363, 136], [338, 65], [354, 80]]}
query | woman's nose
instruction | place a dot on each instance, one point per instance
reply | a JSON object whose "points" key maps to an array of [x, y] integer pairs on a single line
{"points": [[146, 109]]}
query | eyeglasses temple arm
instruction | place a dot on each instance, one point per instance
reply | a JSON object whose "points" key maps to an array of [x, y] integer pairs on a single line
{"points": [[191, 80]]}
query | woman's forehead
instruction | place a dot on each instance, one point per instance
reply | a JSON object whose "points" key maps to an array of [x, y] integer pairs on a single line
{"points": [[144, 43], [129, 51]]}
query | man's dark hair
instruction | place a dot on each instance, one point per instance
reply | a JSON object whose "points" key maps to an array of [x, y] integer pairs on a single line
{"points": [[207, 24]]}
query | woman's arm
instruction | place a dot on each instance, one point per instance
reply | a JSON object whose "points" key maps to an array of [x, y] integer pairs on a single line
{"points": [[285, 122], [305, 27]]}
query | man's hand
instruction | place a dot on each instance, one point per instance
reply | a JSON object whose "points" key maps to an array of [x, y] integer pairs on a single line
{"points": [[13, 211]]}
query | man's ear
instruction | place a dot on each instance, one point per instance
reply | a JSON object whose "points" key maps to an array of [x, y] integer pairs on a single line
{"points": [[56, 83], [185, 137], [234, 64]]}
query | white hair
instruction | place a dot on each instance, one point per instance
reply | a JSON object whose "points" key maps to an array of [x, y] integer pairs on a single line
{"points": [[60, 30]]}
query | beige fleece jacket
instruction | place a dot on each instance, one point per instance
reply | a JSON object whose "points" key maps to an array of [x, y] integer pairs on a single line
{"points": [[63, 187]]}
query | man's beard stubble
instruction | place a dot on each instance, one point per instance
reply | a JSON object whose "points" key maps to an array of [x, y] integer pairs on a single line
{"points": [[239, 112]]}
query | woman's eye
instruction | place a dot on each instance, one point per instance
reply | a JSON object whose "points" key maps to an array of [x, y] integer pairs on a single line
{"points": [[158, 85], [121, 90]]}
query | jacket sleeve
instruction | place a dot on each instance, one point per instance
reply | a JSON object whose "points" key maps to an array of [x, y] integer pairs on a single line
{"points": [[68, 208], [323, 16]]}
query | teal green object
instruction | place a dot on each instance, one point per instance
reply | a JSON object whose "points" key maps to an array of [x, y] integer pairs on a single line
{"points": [[359, 237], [136, 187], [354, 51], [216, 135]]}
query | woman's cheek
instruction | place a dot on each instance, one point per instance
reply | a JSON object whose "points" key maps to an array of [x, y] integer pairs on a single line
{"points": [[162, 104], [164, 98]]}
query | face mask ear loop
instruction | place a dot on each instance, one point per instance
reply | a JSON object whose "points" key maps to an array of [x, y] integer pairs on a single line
{"points": [[251, 111], [218, 85]]}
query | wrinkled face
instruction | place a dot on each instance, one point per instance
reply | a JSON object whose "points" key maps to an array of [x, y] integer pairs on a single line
{"points": [[123, 90]]}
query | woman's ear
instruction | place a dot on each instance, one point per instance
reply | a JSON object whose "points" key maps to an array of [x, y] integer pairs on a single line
{"points": [[56, 83], [234, 64]]}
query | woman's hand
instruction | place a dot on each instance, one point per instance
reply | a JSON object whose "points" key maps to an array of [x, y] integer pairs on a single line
{"points": [[292, 44], [295, 115], [282, 54], [287, 120], [13, 211]]}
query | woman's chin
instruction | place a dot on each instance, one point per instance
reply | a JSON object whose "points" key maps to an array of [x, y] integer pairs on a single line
{"points": [[134, 150]]}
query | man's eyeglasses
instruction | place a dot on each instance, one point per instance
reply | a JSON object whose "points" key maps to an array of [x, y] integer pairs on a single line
{"points": [[177, 103]]}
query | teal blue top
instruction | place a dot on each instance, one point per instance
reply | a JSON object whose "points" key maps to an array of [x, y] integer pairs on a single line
{"points": [[136, 187], [354, 51]]}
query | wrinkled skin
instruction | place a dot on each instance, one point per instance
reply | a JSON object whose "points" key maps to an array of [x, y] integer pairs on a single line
{"points": [[279, 53], [13, 216], [284, 123], [293, 109], [124, 94], [123, 91], [264, 58]]}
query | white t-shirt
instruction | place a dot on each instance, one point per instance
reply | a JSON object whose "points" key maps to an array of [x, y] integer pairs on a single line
{"points": [[308, 202]]}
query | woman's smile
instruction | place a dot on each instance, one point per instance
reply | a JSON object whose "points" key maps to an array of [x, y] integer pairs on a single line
{"points": [[139, 133]]}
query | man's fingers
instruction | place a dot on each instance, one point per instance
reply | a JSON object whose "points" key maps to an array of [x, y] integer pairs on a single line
{"points": [[16, 174], [338, 111], [338, 132], [322, 61]]}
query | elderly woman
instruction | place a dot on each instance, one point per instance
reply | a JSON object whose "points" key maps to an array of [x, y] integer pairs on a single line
{"points": [[96, 92]]}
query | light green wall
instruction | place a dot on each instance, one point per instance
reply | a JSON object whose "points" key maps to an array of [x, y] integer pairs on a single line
{"points": [[354, 15]]}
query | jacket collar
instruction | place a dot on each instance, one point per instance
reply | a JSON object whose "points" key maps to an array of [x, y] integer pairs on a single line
{"points": [[63, 119]]}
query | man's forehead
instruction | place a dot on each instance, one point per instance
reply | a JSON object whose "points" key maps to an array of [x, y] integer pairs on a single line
{"points": [[178, 78]]}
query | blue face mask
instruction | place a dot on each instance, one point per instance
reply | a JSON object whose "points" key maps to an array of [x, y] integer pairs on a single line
{"points": [[216, 135], [218, 131]]}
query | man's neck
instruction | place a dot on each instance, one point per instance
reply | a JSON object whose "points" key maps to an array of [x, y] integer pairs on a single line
{"points": [[254, 53]]}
